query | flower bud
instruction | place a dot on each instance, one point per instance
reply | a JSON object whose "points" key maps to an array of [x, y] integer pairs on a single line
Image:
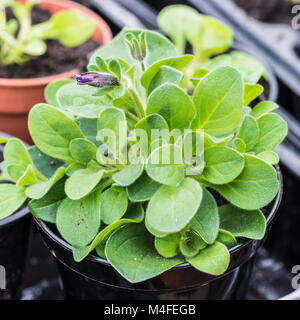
{"points": [[97, 79]]}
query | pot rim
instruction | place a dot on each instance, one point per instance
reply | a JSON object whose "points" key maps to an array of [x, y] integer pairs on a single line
{"points": [[93, 258], [102, 26]]}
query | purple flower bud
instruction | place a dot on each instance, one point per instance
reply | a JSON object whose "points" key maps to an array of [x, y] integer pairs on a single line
{"points": [[97, 79]]}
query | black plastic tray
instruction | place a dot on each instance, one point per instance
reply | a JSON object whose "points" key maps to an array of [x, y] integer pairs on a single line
{"points": [[264, 37]]}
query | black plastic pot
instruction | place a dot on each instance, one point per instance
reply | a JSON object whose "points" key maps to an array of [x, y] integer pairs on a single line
{"points": [[95, 279], [14, 242]]}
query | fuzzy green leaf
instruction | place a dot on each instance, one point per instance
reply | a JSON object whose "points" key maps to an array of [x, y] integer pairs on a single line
{"points": [[39, 190], [11, 198], [143, 189], [168, 246], [165, 165], [214, 259], [254, 188], [131, 252], [78, 221], [83, 181], [242, 223], [222, 165], [114, 204], [52, 131], [273, 129], [134, 214], [218, 99], [206, 220], [173, 104], [172, 208], [46, 207]]}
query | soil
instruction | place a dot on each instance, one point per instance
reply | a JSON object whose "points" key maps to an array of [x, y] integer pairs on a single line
{"points": [[278, 11], [57, 59]]}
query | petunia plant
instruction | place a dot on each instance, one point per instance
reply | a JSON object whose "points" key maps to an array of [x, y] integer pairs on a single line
{"points": [[128, 162], [20, 40]]}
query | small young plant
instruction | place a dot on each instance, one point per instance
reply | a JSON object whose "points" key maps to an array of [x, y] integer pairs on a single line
{"points": [[20, 40], [208, 37], [125, 162]]}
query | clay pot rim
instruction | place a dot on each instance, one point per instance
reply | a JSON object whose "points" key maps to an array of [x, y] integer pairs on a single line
{"points": [[102, 26], [276, 203]]}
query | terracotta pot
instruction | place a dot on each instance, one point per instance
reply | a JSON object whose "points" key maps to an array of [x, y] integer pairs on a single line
{"points": [[17, 96]]}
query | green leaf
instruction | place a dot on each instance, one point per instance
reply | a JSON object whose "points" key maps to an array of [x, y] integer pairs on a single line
{"points": [[73, 96], [129, 174], [131, 252], [273, 129], [178, 63], [79, 221], [252, 91], [90, 111], [254, 188], [263, 108], [165, 74], [34, 47], [3, 140], [269, 156], [143, 189], [158, 47], [242, 223], [72, 168], [165, 165], [172, 208], [45, 164], [129, 100], [215, 37], [180, 23], [174, 104], [17, 159], [206, 220], [222, 165], [191, 243], [39, 190], [251, 68], [83, 181], [219, 101], [211, 141], [214, 259], [239, 145], [226, 238], [249, 132], [146, 125], [46, 207], [114, 204], [112, 121], [28, 178], [134, 214], [168, 246], [52, 131], [11, 198], [71, 27], [52, 89], [82, 150]]}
